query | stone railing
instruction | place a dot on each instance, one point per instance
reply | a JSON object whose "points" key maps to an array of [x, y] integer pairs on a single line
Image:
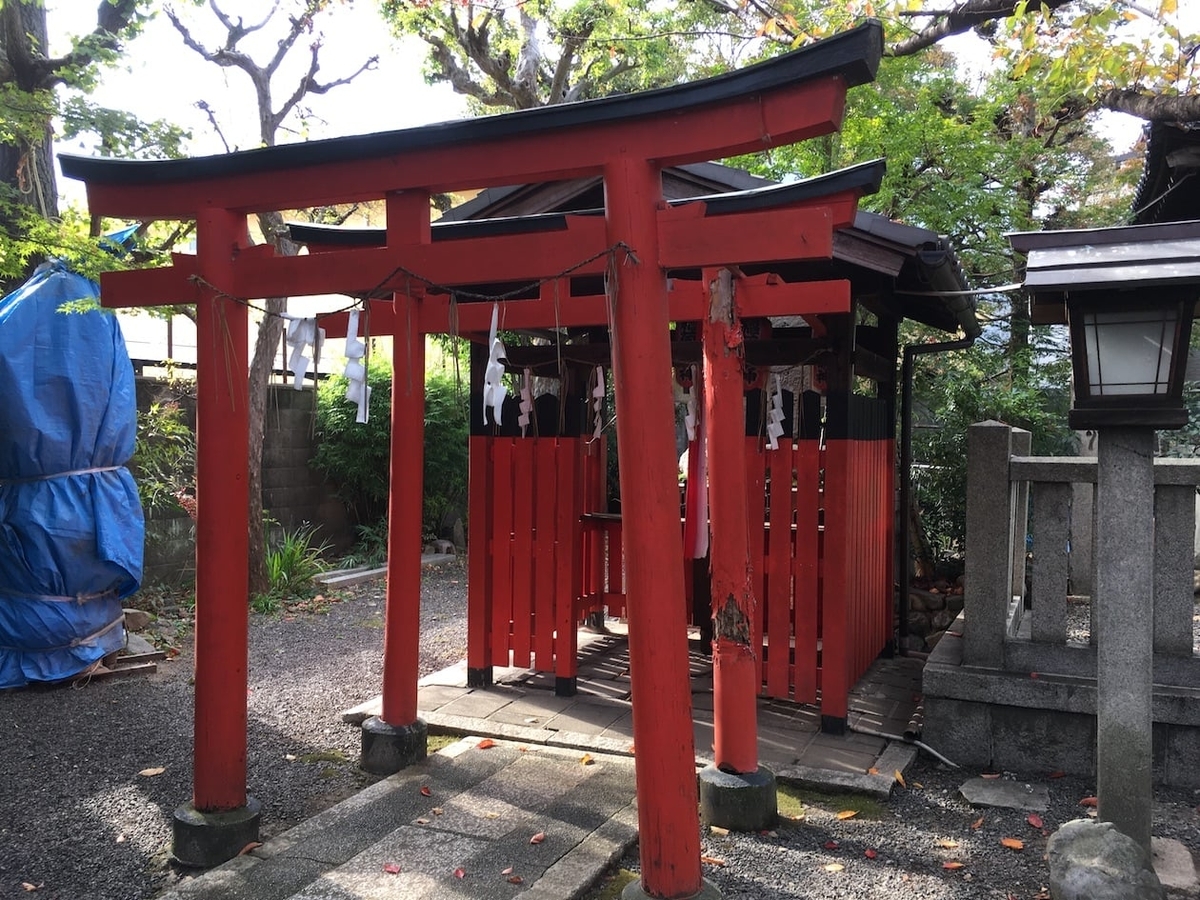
{"points": [[1020, 616]]}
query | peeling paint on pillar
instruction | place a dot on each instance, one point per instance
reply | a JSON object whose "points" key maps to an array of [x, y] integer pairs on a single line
{"points": [[731, 624], [735, 669]]}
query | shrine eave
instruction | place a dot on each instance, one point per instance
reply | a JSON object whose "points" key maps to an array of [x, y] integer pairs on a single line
{"points": [[858, 180], [849, 59]]}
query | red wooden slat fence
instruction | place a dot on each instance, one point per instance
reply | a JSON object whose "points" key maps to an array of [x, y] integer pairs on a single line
{"points": [[821, 523]]}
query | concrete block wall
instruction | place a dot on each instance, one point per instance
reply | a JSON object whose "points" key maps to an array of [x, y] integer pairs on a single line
{"points": [[294, 494]]}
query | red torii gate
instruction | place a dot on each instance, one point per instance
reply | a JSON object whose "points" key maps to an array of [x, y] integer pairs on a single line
{"points": [[628, 140]]}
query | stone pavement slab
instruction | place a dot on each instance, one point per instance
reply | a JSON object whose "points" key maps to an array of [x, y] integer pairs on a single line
{"points": [[1006, 793], [482, 809]]}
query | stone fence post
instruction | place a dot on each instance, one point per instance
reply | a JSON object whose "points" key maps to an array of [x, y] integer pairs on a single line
{"points": [[989, 547]]}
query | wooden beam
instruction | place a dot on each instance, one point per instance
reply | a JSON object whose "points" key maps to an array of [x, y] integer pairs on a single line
{"points": [[687, 238]]}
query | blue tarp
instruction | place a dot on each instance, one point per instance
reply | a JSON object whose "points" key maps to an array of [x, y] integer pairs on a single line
{"points": [[71, 526]]}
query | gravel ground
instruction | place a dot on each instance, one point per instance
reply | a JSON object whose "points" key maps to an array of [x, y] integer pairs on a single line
{"points": [[898, 849], [78, 822]]}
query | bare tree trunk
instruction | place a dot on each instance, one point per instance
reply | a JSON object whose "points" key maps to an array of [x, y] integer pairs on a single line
{"points": [[270, 329]]}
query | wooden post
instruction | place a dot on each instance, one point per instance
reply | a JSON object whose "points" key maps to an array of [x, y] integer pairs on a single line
{"points": [[402, 620], [668, 819], [222, 551], [735, 685]]}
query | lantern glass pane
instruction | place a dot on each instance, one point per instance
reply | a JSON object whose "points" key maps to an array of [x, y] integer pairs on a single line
{"points": [[1129, 352]]}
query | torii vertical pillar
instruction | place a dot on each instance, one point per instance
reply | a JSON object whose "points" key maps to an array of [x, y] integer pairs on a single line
{"points": [[397, 738], [735, 792], [668, 820], [221, 819]]}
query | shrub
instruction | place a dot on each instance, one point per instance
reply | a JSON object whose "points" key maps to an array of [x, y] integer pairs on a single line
{"points": [[355, 457]]}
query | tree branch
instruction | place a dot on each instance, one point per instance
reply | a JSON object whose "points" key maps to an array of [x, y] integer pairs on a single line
{"points": [[1152, 107], [111, 20], [963, 17]]}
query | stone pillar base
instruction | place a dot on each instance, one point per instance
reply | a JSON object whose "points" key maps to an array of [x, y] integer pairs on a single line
{"points": [[206, 839], [386, 749], [635, 891], [739, 802], [481, 677], [566, 687]]}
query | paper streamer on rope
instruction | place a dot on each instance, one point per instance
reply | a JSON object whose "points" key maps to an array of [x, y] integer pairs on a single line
{"points": [[357, 390], [302, 333], [526, 402], [598, 403], [493, 377], [775, 418], [689, 419]]}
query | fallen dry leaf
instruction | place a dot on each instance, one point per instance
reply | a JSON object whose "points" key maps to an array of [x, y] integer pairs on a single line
{"points": [[515, 879], [485, 744], [952, 865], [1088, 801], [391, 868], [507, 871], [831, 845], [491, 815], [990, 776], [712, 861], [869, 853], [977, 823], [426, 792], [872, 771], [718, 830], [833, 867], [120, 838], [31, 887], [917, 786], [947, 843], [290, 757], [1012, 843], [460, 872], [586, 759], [1057, 774], [631, 750], [156, 770], [250, 846], [847, 814], [437, 810], [1035, 820], [422, 821], [900, 778], [538, 838]]}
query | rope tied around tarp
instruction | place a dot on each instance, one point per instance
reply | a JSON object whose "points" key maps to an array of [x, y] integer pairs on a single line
{"points": [[4, 482]]}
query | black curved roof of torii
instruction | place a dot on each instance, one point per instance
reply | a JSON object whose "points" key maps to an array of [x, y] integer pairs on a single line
{"points": [[853, 55], [865, 177]]}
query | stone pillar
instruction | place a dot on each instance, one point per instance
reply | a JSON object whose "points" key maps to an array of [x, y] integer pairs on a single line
{"points": [[1080, 563], [989, 543], [1124, 661]]}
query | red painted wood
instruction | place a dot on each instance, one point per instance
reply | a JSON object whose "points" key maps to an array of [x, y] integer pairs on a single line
{"points": [[502, 526], [756, 512], [479, 569], [547, 461], [668, 817], [732, 514], [513, 257], [779, 117], [402, 619], [686, 239], [522, 550], [568, 552], [221, 550], [836, 597], [779, 572], [807, 462], [614, 568], [166, 286]]}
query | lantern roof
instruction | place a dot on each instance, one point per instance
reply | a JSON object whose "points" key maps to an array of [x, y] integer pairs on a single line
{"points": [[1061, 263]]}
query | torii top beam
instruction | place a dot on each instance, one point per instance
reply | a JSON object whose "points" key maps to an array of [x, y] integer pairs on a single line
{"points": [[784, 100]]}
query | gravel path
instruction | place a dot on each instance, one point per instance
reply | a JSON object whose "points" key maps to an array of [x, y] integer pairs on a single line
{"points": [[79, 822], [897, 850]]}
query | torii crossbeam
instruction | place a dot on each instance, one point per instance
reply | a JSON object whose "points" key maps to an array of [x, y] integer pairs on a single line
{"points": [[628, 140]]}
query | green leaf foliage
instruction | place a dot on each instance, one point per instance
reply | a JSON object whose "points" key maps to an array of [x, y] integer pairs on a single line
{"points": [[356, 457]]}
